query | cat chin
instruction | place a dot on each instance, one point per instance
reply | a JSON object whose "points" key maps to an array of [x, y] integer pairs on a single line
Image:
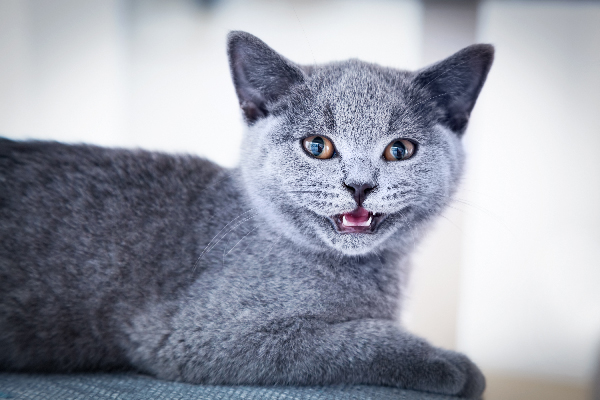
{"points": [[355, 244]]}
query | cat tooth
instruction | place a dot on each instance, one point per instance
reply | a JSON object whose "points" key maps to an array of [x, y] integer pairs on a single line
{"points": [[367, 222]]}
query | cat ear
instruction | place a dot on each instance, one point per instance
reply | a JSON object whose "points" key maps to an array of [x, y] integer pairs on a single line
{"points": [[453, 84], [260, 75]]}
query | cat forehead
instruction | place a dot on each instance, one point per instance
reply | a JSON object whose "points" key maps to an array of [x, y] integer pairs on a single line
{"points": [[351, 98], [351, 80]]}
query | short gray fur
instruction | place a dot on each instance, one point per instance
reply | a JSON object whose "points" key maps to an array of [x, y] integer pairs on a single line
{"points": [[174, 266]]}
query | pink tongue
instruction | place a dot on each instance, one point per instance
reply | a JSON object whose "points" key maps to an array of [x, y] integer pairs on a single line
{"points": [[357, 216]]}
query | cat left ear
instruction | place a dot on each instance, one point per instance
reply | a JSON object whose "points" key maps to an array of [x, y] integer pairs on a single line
{"points": [[260, 74], [453, 84]]}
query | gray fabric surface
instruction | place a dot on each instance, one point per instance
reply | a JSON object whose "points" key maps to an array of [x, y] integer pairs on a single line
{"points": [[136, 387]]}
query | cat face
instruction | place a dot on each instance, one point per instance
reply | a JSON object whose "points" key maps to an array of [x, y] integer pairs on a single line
{"points": [[347, 155]]}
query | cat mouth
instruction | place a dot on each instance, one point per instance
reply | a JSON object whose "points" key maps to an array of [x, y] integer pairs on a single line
{"points": [[357, 221]]}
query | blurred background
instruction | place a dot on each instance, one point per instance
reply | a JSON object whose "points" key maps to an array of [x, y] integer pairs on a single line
{"points": [[510, 275]]}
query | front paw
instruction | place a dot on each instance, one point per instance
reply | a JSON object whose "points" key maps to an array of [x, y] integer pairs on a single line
{"points": [[452, 373], [474, 384]]}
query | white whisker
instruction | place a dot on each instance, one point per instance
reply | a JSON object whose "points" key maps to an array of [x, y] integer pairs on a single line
{"points": [[241, 240], [208, 247], [231, 230], [223, 228], [271, 248], [410, 228]]}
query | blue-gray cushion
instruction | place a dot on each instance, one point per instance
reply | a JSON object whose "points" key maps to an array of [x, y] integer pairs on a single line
{"points": [[125, 386]]}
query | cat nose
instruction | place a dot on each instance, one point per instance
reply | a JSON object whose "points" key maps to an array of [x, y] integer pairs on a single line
{"points": [[360, 191]]}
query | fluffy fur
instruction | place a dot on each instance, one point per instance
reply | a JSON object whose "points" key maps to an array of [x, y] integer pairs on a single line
{"points": [[188, 271]]}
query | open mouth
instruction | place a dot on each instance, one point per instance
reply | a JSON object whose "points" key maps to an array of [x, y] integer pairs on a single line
{"points": [[357, 221]]}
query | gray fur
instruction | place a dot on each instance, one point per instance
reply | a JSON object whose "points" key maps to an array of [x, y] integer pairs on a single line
{"points": [[188, 271]]}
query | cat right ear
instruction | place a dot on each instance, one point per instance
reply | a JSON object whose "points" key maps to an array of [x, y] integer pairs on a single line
{"points": [[260, 75], [454, 84]]}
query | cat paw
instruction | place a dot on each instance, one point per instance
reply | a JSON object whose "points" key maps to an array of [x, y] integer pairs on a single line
{"points": [[475, 382], [450, 373], [466, 376]]}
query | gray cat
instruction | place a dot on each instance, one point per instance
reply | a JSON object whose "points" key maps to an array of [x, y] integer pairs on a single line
{"points": [[288, 270]]}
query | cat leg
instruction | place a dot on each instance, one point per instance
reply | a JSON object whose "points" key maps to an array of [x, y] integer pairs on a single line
{"points": [[311, 352]]}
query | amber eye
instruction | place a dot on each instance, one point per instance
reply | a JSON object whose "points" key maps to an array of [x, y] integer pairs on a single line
{"points": [[400, 149], [318, 147]]}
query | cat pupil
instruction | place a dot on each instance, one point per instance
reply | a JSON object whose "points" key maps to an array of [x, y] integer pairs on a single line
{"points": [[317, 145], [398, 150]]}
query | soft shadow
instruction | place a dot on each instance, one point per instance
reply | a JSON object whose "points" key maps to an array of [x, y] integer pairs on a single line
{"points": [[596, 381]]}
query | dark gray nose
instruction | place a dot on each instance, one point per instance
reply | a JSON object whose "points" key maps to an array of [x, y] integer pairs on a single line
{"points": [[360, 191]]}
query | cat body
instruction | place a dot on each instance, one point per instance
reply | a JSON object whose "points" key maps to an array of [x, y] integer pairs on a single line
{"points": [[286, 270]]}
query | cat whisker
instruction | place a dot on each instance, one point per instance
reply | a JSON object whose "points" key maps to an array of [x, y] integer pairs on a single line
{"points": [[495, 217], [243, 237], [222, 229], [209, 247], [468, 203], [240, 223], [243, 250], [410, 228], [379, 257], [271, 248], [451, 222], [315, 185]]}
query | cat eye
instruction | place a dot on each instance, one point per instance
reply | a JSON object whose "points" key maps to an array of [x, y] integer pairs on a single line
{"points": [[400, 149], [319, 147]]}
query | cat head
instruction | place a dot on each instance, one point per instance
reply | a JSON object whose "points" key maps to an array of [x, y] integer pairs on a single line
{"points": [[349, 155]]}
